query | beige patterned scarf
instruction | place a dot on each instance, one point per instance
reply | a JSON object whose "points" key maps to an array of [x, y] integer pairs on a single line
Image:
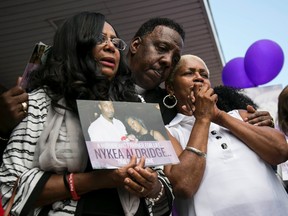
{"points": [[61, 145]]}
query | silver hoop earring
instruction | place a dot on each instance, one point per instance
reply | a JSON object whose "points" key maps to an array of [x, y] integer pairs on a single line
{"points": [[172, 98]]}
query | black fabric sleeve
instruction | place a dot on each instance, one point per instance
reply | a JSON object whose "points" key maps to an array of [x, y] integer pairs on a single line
{"points": [[30, 204]]}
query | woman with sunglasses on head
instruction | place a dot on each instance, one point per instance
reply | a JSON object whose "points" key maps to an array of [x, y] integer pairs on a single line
{"points": [[46, 153]]}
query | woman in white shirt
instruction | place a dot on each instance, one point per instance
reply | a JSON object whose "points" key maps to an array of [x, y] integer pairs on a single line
{"points": [[225, 163]]}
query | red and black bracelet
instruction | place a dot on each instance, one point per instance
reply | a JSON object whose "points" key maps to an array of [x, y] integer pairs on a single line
{"points": [[72, 187]]}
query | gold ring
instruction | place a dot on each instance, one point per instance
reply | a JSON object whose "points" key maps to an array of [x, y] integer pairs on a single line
{"points": [[24, 106], [142, 190]]}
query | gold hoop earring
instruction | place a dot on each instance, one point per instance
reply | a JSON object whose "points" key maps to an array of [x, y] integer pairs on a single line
{"points": [[172, 98]]}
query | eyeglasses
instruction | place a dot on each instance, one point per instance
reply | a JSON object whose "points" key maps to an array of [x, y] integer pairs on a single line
{"points": [[117, 42]]}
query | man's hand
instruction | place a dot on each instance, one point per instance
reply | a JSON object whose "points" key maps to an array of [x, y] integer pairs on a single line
{"points": [[11, 108], [259, 118]]}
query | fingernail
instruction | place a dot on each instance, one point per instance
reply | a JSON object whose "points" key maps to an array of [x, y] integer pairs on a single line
{"points": [[130, 171]]}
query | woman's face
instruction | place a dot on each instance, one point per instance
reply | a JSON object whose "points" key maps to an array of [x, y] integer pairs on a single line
{"points": [[191, 72], [106, 54], [134, 125]]}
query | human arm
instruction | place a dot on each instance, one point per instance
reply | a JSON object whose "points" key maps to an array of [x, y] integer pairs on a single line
{"points": [[11, 110], [267, 142], [38, 188], [153, 185], [259, 118], [55, 190], [187, 175], [132, 177]]}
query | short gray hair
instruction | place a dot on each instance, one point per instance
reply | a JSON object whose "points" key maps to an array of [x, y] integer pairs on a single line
{"points": [[181, 61]]}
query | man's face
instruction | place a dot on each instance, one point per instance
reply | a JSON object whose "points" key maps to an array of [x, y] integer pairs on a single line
{"points": [[154, 56], [107, 109]]}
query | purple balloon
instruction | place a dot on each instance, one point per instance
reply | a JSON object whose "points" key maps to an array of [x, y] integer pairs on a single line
{"points": [[263, 61], [234, 75]]}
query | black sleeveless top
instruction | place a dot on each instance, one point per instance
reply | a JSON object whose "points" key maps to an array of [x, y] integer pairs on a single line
{"points": [[146, 137]]}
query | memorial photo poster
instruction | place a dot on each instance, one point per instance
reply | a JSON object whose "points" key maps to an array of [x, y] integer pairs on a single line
{"points": [[114, 131]]}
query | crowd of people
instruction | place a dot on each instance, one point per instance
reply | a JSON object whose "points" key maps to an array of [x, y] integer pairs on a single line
{"points": [[46, 153], [221, 156]]}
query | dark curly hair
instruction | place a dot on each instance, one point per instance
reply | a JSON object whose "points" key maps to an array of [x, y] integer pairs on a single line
{"points": [[230, 98], [71, 71]]}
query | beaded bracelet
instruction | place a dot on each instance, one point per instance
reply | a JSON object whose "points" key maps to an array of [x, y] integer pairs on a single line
{"points": [[153, 200], [72, 187], [196, 151]]}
